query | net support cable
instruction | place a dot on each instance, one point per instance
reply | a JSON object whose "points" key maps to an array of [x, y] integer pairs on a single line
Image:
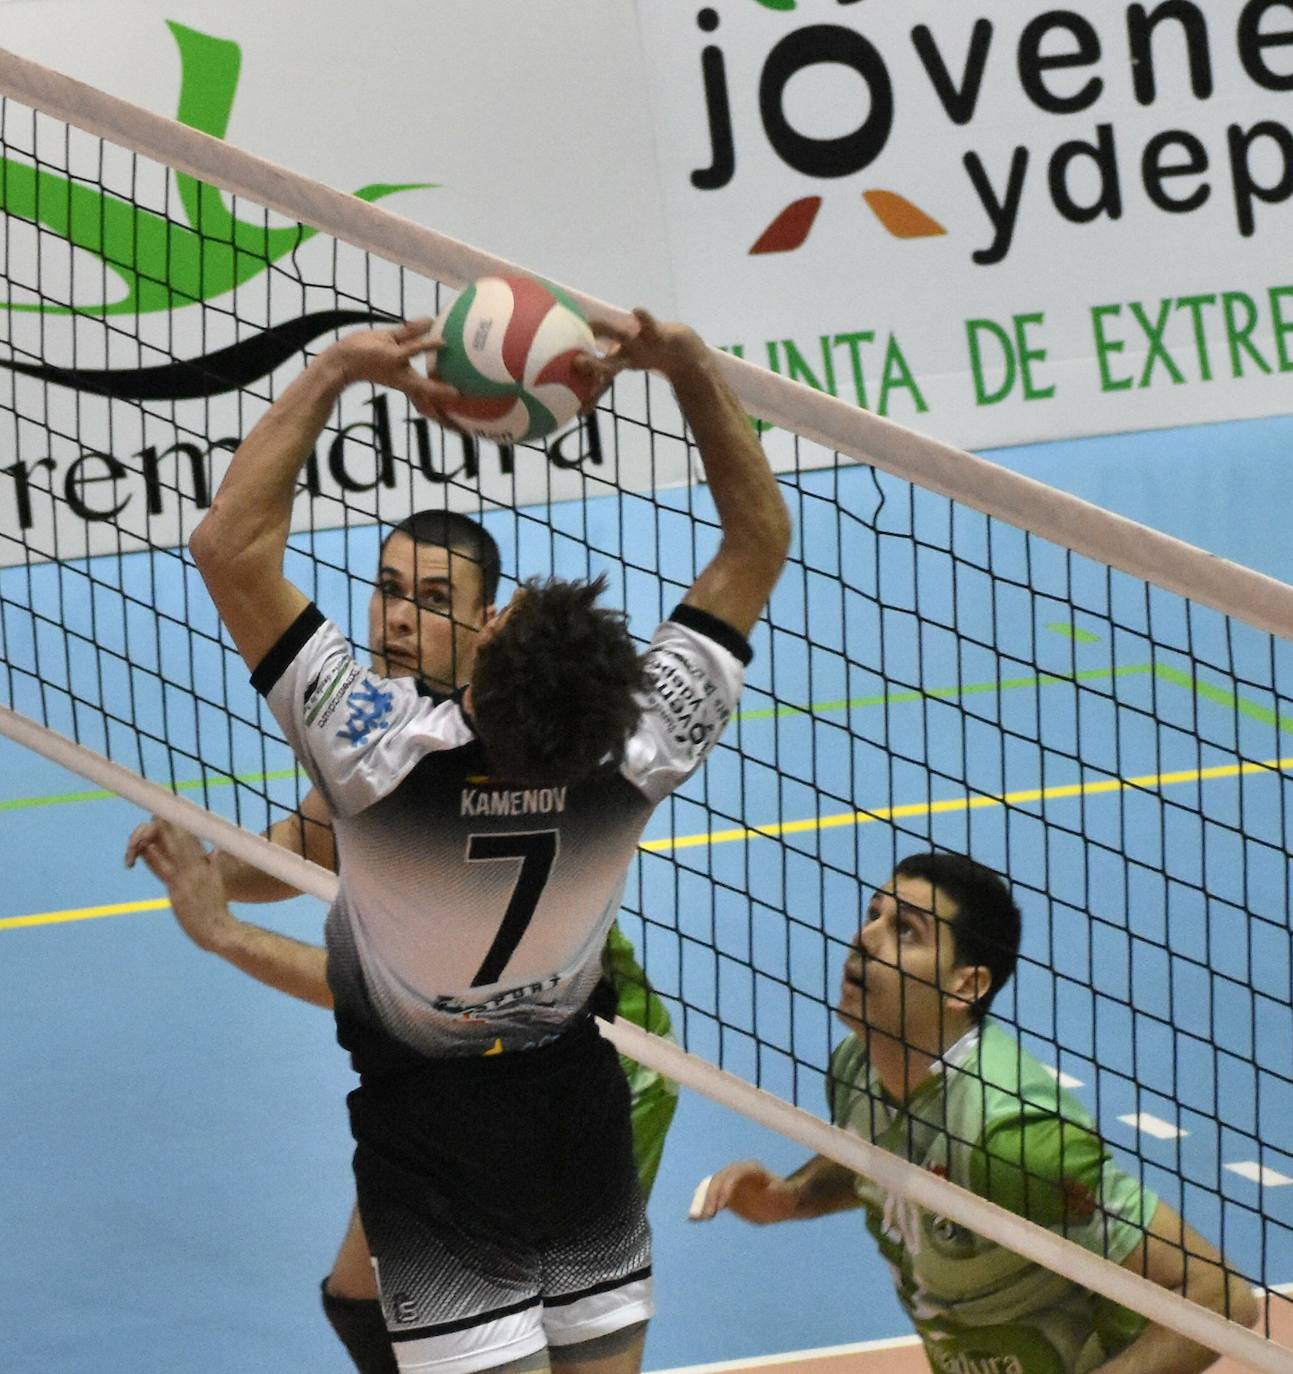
{"points": [[890, 1171], [1021, 501]]}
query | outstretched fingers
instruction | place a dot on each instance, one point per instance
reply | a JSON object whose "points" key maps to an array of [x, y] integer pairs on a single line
{"points": [[412, 331], [608, 329], [166, 848]]}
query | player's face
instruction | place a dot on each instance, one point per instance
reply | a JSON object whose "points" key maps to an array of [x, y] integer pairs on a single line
{"points": [[426, 613], [902, 967]]}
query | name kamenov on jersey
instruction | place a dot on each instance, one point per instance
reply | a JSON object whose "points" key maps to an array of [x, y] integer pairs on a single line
{"points": [[526, 801]]}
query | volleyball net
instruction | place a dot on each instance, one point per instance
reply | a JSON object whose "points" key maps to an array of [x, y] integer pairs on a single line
{"points": [[957, 659]]}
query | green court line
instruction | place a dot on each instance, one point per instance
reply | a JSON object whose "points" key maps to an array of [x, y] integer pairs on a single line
{"points": [[1008, 684], [188, 785], [1208, 692], [1075, 633], [1205, 691], [766, 713]]}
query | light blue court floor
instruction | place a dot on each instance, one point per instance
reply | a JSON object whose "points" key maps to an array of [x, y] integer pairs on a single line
{"points": [[173, 1149]]}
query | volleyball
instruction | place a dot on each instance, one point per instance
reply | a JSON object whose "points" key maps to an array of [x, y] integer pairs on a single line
{"points": [[509, 347]]}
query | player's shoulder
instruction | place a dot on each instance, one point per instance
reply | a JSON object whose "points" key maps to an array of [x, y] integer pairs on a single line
{"points": [[690, 627], [694, 668], [1012, 1075], [1032, 1146], [1023, 1111]]}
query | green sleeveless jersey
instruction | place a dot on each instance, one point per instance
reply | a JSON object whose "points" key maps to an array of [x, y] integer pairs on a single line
{"points": [[991, 1119]]}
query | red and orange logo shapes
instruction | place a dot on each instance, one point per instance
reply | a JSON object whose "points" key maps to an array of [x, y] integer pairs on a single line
{"points": [[841, 156]]}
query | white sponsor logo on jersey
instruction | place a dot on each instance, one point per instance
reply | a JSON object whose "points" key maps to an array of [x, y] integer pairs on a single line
{"points": [[455, 1006], [683, 691], [979, 1364], [324, 695]]}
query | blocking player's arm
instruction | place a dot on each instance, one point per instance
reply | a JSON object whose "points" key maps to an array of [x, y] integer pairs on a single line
{"points": [[240, 543], [1056, 1170], [736, 584], [197, 892], [1177, 1257], [816, 1189], [307, 833]]}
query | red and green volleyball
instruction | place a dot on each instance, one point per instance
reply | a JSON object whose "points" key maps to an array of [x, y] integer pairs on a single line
{"points": [[509, 348]]}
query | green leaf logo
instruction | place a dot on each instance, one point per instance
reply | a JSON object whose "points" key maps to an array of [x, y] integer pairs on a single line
{"points": [[164, 265]]}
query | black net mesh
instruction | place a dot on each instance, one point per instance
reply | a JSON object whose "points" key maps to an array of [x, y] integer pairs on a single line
{"points": [[927, 678]]}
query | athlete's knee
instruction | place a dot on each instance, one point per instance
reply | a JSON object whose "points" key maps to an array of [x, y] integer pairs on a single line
{"points": [[361, 1328], [618, 1350]]}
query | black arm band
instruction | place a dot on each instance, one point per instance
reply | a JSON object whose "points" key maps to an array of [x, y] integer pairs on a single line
{"points": [[713, 628], [290, 643]]}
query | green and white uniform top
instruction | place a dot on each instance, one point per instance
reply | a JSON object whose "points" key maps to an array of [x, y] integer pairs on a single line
{"points": [[992, 1120]]}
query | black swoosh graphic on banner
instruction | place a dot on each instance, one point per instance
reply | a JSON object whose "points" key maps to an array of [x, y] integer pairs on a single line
{"points": [[190, 379]]}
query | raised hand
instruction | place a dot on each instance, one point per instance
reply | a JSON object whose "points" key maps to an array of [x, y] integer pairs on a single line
{"points": [[191, 877], [648, 345], [385, 358]]}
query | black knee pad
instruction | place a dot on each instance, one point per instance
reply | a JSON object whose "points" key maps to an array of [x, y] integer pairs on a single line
{"points": [[361, 1328]]}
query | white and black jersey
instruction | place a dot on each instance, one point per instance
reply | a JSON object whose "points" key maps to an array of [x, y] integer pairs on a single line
{"points": [[472, 911]]}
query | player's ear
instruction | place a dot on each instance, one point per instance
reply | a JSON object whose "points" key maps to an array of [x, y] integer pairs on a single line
{"points": [[969, 983]]}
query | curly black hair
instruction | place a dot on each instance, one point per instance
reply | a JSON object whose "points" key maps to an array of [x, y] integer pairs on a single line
{"points": [[987, 926], [556, 692]]}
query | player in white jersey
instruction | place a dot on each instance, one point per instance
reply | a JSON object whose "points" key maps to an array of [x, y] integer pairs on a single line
{"points": [[484, 843], [923, 1074], [436, 580]]}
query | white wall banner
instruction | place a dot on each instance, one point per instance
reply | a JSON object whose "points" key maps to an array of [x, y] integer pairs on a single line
{"points": [[994, 222], [991, 222], [147, 318]]}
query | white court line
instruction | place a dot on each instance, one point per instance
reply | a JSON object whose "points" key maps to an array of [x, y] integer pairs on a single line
{"points": [[1259, 1173], [795, 1356], [858, 1348], [1152, 1125], [1065, 1080]]}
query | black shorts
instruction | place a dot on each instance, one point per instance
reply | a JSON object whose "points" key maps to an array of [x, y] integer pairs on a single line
{"points": [[501, 1203]]}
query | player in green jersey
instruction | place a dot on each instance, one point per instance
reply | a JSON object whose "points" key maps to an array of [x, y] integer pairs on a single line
{"points": [[437, 576], [923, 1074]]}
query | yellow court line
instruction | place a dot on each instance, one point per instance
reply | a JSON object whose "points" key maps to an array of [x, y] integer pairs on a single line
{"points": [[82, 913], [1146, 782]]}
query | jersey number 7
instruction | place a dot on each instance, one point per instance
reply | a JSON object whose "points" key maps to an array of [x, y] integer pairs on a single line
{"points": [[537, 850]]}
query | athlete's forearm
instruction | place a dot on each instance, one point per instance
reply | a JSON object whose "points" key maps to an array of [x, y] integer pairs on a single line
{"points": [[252, 510], [823, 1187], [1158, 1350], [244, 882], [291, 966], [750, 506], [307, 833]]}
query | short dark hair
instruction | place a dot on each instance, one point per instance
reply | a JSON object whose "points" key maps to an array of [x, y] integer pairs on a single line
{"points": [[987, 927], [450, 529], [555, 693]]}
